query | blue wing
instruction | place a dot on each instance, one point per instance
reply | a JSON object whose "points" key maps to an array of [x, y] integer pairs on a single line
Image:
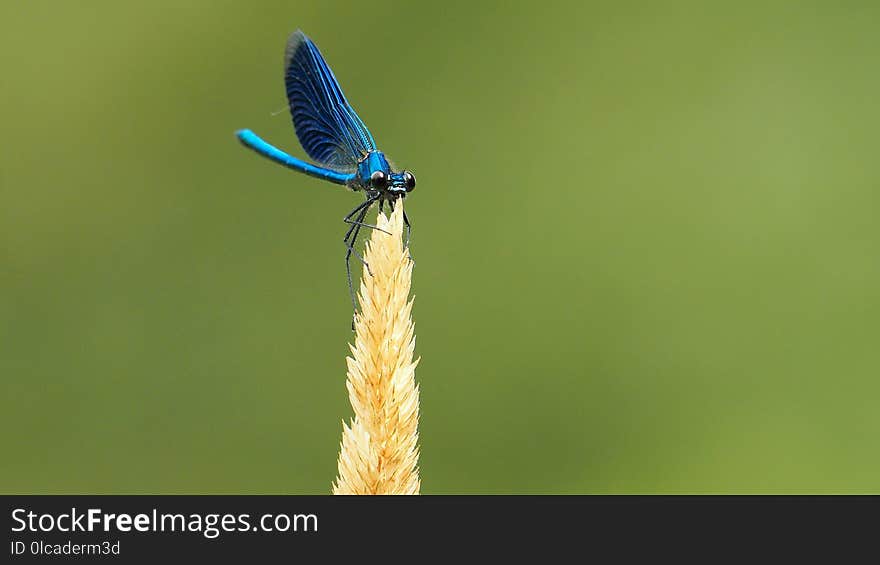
{"points": [[327, 126]]}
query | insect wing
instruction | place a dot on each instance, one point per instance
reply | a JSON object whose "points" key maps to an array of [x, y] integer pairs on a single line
{"points": [[328, 128]]}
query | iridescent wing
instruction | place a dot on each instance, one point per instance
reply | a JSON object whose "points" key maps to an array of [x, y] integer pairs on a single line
{"points": [[327, 126]]}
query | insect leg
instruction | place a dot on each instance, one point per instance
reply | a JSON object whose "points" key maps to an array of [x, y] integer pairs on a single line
{"points": [[360, 221], [408, 232], [347, 218], [350, 240], [349, 243]]}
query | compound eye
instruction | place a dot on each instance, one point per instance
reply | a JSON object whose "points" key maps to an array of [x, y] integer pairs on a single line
{"points": [[379, 180], [410, 181]]}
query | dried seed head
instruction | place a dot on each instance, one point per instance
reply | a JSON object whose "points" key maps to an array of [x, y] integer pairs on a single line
{"points": [[379, 452]]}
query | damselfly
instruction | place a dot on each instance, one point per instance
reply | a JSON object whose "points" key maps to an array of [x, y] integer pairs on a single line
{"points": [[333, 135]]}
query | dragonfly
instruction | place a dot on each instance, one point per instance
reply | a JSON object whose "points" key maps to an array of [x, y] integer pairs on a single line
{"points": [[337, 140]]}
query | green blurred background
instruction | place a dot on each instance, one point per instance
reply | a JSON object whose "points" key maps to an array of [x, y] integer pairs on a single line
{"points": [[646, 236]]}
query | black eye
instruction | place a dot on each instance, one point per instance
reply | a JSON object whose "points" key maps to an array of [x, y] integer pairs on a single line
{"points": [[410, 181], [379, 180]]}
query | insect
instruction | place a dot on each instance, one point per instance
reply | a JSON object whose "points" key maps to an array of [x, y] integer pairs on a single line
{"points": [[333, 135]]}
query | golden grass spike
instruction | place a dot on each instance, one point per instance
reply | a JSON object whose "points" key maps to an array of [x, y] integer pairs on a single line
{"points": [[379, 451]]}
